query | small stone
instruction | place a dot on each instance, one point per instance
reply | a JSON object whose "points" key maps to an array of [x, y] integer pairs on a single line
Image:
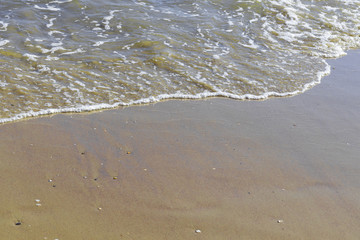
{"points": [[54, 185], [82, 153], [99, 208], [18, 223], [197, 231], [280, 221], [50, 180], [128, 152], [37, 200], [114, 178], [38, 204]]}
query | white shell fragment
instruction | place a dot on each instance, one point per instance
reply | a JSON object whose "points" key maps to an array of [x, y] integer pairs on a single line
{"points": [[197, 231], [38, 204]]}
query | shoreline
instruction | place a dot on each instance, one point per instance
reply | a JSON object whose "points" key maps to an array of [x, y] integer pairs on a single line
{"points": [[166, 97], [284, 168]]}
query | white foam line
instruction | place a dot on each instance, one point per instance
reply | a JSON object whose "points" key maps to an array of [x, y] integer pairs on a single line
{"points": [[52, 50], [51, 22], [73, 52], [154, 99], [48, 7], [54, 32], [65, 1]]}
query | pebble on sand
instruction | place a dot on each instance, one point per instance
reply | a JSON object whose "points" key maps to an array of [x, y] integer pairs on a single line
{"points": [[280, 221], [197, 231]]}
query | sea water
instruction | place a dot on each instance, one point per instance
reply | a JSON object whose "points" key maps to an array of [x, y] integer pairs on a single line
{"points": [[83, 55]]}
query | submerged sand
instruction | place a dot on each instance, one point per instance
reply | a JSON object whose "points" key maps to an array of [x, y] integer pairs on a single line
{"points": [[284, 168]]}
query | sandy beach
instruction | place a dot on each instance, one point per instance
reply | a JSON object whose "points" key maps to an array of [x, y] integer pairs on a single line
{"points": [[285, 168]]}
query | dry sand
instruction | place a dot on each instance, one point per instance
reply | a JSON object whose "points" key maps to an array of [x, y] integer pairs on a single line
{"points": [[284, 168]]}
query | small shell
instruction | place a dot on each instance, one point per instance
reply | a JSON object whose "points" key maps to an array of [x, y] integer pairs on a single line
{"points": [[197, 231]]}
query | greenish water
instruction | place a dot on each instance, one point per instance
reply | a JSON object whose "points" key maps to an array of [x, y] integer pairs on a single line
{"points": [[81, 55]]}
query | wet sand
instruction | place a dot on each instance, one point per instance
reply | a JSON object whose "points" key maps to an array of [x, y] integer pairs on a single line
{"points": [[285, 168]]}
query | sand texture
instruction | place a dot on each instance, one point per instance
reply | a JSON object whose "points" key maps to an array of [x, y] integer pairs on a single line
{"points": [[285, 168]]}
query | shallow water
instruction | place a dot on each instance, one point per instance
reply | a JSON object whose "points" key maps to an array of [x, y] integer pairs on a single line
{"points": [[79, 55]]}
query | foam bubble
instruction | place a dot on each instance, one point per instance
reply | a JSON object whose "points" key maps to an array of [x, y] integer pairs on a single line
{"points": [[51, 22], [106, 20], [4, 42], [3, 26], [99, 43], [31, 57], [50, 58]]}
